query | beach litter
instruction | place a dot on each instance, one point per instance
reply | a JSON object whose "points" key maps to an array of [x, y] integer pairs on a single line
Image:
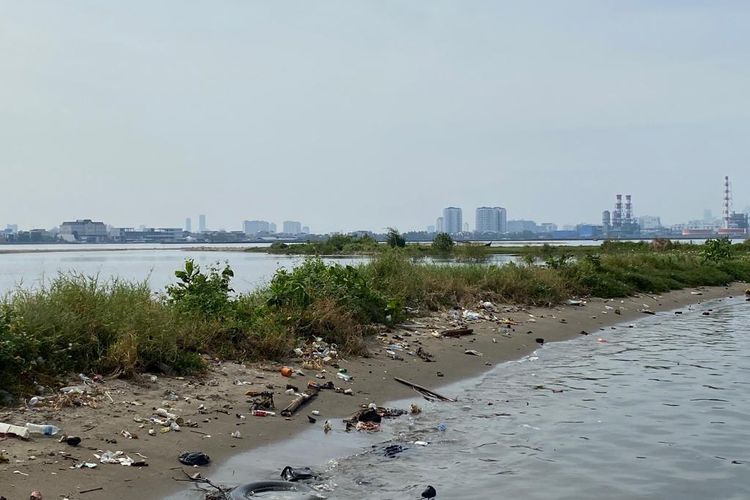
{"points": [[472, 352], [300, 400], [14, 431], [457, 332], [297, 473], [429, 492], [194, 458]]}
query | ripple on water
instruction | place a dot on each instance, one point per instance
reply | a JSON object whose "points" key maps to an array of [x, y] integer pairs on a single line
{"points": [[658, 412]]}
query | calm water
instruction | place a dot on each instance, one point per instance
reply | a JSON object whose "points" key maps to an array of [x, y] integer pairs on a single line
{"points": [[658, 411], [155, 263]]}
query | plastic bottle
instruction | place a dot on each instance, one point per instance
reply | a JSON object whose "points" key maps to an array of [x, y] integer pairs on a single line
{"points": [[344, 376], [47, 430]]}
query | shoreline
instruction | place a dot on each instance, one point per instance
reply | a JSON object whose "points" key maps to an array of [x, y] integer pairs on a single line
{"points": [[49, 471]]}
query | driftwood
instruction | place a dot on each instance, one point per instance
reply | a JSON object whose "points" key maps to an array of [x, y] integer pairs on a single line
{"points": [[457, 332], [424, 390], [299, 401]]}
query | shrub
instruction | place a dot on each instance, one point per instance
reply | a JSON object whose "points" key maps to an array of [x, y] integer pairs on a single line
{"points": [[442, 242]]}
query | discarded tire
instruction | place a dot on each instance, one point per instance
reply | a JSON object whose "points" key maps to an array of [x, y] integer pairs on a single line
{"points": [[246, 491]]}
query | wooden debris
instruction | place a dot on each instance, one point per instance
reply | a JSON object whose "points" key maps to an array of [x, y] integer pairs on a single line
{"points": [[457, 332], [299, 401], [424, 390]]}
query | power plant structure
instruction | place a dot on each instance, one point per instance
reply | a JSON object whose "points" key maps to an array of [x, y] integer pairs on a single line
{"points": [[733, 224], [620, 223]]}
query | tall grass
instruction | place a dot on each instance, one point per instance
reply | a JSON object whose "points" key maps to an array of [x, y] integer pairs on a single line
{"points": [[78, 323]]}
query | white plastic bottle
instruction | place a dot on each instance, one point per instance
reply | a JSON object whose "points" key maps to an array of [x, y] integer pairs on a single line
{"points": [[47, 430]]}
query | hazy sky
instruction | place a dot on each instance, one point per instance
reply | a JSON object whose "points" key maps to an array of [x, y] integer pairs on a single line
{"points": [[347, 114]]}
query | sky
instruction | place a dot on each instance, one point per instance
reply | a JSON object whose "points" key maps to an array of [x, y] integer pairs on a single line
{"points": [[351, 115]]}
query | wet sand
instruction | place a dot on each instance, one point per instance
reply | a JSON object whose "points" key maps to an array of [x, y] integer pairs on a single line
{"points": [[45, 464]]}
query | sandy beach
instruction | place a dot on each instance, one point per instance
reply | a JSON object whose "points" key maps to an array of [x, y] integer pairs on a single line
{"points": [[216, 402]]}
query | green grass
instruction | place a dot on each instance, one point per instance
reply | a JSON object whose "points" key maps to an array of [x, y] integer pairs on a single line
{"points": [[82, 324]]}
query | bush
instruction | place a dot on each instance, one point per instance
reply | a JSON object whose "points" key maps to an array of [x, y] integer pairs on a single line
{"points": [[204, 294], [442, 243], [394, 239]]}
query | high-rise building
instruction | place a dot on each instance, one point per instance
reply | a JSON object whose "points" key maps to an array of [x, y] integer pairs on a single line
{"points": [[430, 229], [491, 220], [188, 224], [439, 226], [271, 227], [254, 227], [292, 227], [201, 223], [452, 220]]}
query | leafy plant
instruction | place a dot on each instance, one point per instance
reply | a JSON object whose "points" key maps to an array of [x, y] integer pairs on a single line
{"points": [[717, 250], [206, 294]]}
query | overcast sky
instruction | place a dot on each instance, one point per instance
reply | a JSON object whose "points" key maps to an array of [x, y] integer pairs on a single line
{"points": [[360, 115]]}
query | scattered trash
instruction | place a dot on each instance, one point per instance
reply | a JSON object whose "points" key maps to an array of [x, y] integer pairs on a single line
{"points": [[327, 427], [393, 450], [297, 473], [310, 419], [472, 352], [299, 401], [442, 427], [46, 430], [118, 457], [429, 492], [573, 302], [368, 426], [414, 409], [35, 495], [286, 371], [540, 341], [262, 413], [194, 458], [421, 443], [344, 376], [424, 391], [71, 440], [457, 332], [14, 431], [236, 435], [315, 412], [262, 400], [471, 315], [424, 355], [646, 311]]}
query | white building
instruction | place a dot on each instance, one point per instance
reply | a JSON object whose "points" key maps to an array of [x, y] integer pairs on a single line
{"points": [[452, 220], [491, 220], [439, 226], [84, 230], [292, 227], [201, 223], [254, 227]]}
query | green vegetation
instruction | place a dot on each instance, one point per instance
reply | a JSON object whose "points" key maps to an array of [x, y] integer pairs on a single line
{"points": [[394, 239], [442, 243], [80, 324]]}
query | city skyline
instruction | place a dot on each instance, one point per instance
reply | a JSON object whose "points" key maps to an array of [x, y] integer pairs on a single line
{"points": [[419, 106]]}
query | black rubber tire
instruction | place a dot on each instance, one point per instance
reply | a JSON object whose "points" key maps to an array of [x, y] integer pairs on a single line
{"points": [[245, 491]]}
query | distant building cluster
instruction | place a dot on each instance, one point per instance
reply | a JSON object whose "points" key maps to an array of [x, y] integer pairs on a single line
{"points": [[490, 223]]}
